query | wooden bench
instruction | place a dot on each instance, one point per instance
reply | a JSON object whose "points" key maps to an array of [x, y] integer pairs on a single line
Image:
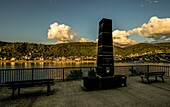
{"points": [[153, 74], [29, 83]]}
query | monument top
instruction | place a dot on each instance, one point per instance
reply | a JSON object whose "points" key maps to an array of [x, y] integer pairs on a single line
{"points": [[105, 20]]}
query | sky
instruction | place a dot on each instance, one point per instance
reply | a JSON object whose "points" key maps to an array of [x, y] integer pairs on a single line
{"points": [[58, 21]]}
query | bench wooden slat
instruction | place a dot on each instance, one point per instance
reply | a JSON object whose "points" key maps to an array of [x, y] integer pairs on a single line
{"points": [[29, 83]]}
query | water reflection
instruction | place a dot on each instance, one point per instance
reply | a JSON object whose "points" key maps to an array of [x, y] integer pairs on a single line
{"points": [[54, 64], [12, 65], [50, 64]]}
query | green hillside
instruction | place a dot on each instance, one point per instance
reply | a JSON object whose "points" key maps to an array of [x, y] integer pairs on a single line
{"points": [[147, 48], [19, 50]]}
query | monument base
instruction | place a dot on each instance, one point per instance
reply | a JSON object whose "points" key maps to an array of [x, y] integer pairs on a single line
{"points": [[101, 83]]}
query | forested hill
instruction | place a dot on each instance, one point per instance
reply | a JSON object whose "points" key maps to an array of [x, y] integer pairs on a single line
{"points": [[147, 48], [19, 50]]}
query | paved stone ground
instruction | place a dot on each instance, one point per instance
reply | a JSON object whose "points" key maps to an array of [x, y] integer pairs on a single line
{"points": [[71, 94]]}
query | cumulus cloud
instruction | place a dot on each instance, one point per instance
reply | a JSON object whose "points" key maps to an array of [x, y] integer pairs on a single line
{"points": [[64, 34], [122, 38], [157, 29]]}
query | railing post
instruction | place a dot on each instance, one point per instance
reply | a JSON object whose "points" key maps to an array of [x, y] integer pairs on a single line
{"points": [[168, 71], [0, 76], [147, 68], [32, 74], [63, 74], [132, 70]]}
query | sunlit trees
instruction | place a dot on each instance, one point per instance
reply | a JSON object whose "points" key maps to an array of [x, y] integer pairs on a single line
{"points": [[86, 49]]}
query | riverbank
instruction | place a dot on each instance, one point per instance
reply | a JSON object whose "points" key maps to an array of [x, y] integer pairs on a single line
{"points": [[43, 63], [46, 61]]}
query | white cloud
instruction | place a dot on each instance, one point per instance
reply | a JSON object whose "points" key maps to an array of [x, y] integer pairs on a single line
{"points": [[64, 34], [157, 29], [152, 1], [156, 1], [122, 38], [141, 5]]}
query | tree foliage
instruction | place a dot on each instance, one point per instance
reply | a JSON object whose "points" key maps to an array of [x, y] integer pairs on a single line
{"points": [[19, 50]]}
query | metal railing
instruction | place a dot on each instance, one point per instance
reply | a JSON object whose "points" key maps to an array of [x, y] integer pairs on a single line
{"points": [[141, 69], [60, 74], [63, 73]]}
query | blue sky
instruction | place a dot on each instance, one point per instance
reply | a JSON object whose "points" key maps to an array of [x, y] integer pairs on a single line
{"points": [[30, 20]]}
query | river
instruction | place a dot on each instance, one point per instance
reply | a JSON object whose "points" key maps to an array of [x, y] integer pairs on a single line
{"points": [[50, 64], [54, 64]]}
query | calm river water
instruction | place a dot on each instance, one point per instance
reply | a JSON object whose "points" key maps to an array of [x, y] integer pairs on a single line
{"points": [[14, 65]]}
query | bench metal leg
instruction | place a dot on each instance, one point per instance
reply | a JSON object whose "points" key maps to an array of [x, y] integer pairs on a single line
{"points": [[18, 91], [48, 90], [142, 79], [162, 79], [148, 80], [13, 91]]}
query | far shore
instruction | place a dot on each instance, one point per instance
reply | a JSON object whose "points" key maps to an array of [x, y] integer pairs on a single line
{"points": [[48, 61], [70, 62]]}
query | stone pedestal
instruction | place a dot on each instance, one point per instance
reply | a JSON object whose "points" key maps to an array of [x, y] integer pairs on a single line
{"points": [[102, 83], [91, 83]]}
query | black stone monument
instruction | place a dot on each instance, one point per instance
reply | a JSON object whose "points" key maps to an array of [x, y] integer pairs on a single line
{"points": [[105, 78], [105, 65]]}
